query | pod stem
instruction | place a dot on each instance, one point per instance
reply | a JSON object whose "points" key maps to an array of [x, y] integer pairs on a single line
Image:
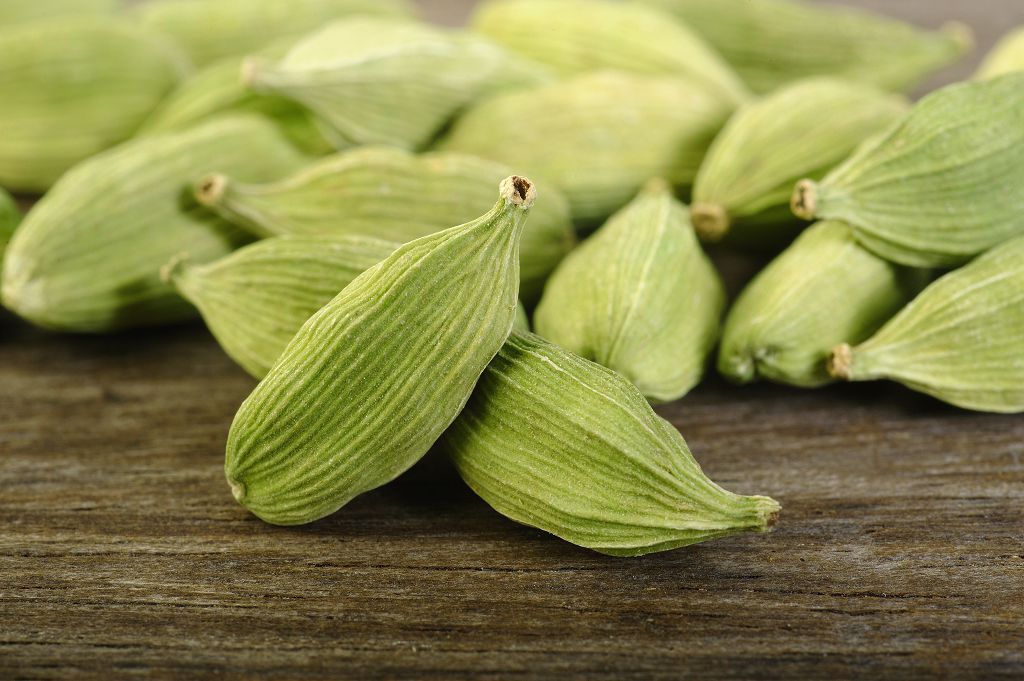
{"points": [[519, 191], [840, 363], [805, 200], [210, 191], [170, 272], [961, 34], [710, 220]]}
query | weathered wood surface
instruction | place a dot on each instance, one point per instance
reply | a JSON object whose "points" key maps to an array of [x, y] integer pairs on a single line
{"points": [[899, 554]]}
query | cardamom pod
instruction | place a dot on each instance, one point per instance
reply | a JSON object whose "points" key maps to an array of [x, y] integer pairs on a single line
{"points": [[938, 188], [210, 30], [959, 341], [10, 218], [822, 290], [372, 380], [803, 130], [577, 36], [639, 297], [557, 442], [773, 42], [72, 88], [21, 11], [255, 300], [378, 81], [598, 137], [88, 256], [1007, 57], [394, 195]]}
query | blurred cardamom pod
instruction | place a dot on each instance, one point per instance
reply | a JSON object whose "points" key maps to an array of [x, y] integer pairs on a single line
{"points": [[577, 36], [822, 290], [599, 137], [72, 88], [557, 442], [940, 187], [209, 30], [394, 195], [773, 42], [20, 11], [959, 341], [1006, 57], [10, 218], [372, 380], [639, 297], [88, 256], [805, 129]]}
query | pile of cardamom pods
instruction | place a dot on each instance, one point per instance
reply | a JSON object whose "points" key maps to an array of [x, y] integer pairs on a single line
{"points": [[340, 191]]}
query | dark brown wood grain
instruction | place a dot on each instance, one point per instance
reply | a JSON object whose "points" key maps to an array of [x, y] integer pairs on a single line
{"points": [[899, 553]]}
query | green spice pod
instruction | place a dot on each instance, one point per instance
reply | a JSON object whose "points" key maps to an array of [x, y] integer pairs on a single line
{"points": [[394, 195], [959, 341], [70, 89], [1007, 57], [10, 218], [940, 187], [804, 130], [576, 36], [20, 11], [256, 299], [376, 81], [639, 297], [773, 42], [822, 290], [210, 30], [371, 382], [557, 442], [88, 256], [599, 137]]}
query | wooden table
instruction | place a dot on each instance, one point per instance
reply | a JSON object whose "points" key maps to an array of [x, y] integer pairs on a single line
{"points": [[900, 551]]}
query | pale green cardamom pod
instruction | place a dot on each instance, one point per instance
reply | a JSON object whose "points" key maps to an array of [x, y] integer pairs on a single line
{"points": [[940, 187], [577, 36], [639, 297], [70, 89], [88, 256], [10, 218], [1007, 57], [557, 442], [394, 195], [823, 290], [378, 81], [20, 11], [372, 380], [959, 341], [255, 300], [773, 42], [804, 130], [210, 30], [599, 137]]}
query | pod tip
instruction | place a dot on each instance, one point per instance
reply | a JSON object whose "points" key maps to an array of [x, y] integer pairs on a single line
{"points": [[250, 68], [840, 363], [710, 220], [211, 189], [173, 269], [519, 191], [961, 34], [237, 490], [805, 200]]}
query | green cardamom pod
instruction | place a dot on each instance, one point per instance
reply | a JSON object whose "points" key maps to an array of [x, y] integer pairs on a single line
{"points": [[803, 130], [823, 290], [639, 297], [599, 137], [21, 11], [210, 30], [10, 218], [1007, 57], [557, 442], [577, 36], [773, 42], [88, 256], [959, 341], [378, 81], [372, 380], [394, 195], [73, 88], [940, 187]]}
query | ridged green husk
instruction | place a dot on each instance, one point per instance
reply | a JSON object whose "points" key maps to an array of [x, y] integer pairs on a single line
{"points": [[599, 138], [88, 256], [939, 188], [375, 81], [394, 195], [1007, 57], [72, 88], [255, 300], [19, 11], [773, 42], [210, 30], [639, 297], [824, 290], [803, 130], [959, 341], [557, 442], [577, 36], [372, 380], [10, 218]]}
